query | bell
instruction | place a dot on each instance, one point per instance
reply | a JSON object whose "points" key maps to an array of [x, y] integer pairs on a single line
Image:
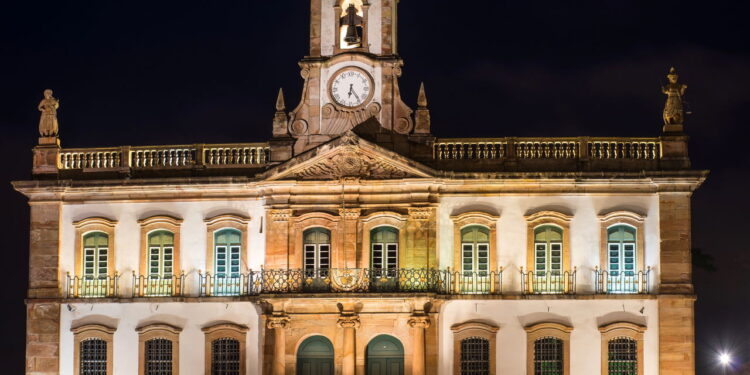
{"points": [[352, 20], [352, 37]]}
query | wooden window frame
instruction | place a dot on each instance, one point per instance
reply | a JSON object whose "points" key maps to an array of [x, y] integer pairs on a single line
{"points": [[385, 266], [219, 223], [314, 220], [625, 330], [548, 218], [90, 225], [91, 332], [159, 331], [159, 223], [382, 219], [229, 331], [628, 218], [542, 330], [469, 219], [474, 329], [316, 260]]}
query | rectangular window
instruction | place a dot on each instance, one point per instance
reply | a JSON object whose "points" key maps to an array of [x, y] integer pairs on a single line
{"points": [[475, 356], [377, 256], [158, 357], [548, 356], [225, 357], [541, 258], [93, 357], [622, 357]]}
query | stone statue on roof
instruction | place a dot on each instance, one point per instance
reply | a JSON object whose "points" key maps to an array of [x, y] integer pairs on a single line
{"points": [[48, 127], [674, 113]]}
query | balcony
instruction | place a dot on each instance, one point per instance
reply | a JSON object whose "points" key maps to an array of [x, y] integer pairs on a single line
{"points": [[622, 282], [91, 287], [158, 286], [551, 282]]}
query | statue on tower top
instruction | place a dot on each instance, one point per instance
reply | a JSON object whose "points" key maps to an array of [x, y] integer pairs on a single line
{"points": [[48, 126], [674, 113]]}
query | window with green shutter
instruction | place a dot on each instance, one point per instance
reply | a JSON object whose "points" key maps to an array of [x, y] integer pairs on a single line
{"points": [[548, 250], [95, 256], [161, 254], [621, 250]]}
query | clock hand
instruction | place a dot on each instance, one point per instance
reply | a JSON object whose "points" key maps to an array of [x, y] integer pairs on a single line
{"points": [[351, 90], [355, 95]]}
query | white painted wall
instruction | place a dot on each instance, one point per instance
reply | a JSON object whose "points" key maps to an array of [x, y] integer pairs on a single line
{"points": [[191, 317], [584, 230], [585, 316]]}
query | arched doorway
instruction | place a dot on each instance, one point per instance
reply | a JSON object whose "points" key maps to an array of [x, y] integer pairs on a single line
{"points": [[315, 356], [385, 356]]}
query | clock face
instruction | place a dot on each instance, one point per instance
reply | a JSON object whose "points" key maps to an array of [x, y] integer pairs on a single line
{"points": [[351, 88]]}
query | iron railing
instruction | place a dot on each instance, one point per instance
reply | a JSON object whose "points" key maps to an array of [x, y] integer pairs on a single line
{"points": [[550, 282], [92, 287], [622, 282], [229, 285], [158, 286]]}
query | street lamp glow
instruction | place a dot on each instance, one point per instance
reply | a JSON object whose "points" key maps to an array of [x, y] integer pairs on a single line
{"points": [[725, 359]]}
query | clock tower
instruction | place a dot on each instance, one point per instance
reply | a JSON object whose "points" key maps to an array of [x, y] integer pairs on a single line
{"points": [[350, 77]]}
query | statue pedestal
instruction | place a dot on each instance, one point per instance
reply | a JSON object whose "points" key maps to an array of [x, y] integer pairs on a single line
{"points": [[46, 157], [673, 128]]}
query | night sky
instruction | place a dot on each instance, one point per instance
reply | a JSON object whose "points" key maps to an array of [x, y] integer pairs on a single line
{"points": [[162, 72]]}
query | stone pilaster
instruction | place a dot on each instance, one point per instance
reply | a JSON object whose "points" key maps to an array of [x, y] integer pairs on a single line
{"points": [[349, 228], [278, 323], [676, 335], [350, 323], [421, 233], [419, 324], [675, 230], [277, 240]]}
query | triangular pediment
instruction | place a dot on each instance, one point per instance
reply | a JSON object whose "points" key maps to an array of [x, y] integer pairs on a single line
{"points": [[348, 156]]}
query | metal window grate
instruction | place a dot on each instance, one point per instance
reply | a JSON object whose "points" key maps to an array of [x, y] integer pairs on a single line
{"points": [[622, 356], [548, 356], [475, 356], [159, 357], [225, 357], [93, 357]]}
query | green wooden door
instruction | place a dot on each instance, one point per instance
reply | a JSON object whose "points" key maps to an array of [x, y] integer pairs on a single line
{"points": [[385, 356], [315, 357]]}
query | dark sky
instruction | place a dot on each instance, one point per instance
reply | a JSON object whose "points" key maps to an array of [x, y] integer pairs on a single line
{"points": [[164, 72]]}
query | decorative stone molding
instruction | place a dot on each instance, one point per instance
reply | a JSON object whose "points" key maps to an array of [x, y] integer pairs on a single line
{"points": [[622, 330], [469, 330], [420, 322], [350, 213], [279, 215], [277, 322], [349, 162], [472, 218], [629, 218], [553, 330], [220, 222], [155, 223], [95, 224], [555, 218], [159, 331], [381, 219], [228, 331], [348, 321], [421, 213], [93, 332]]}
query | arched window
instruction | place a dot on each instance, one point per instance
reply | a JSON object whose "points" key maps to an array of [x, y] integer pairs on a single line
{"points": [[384, 352], [384, 254], [475, 356], [161, 254], [475, 251], [225, 357], [548, 250], [227, 250], [95, 256], [622, 356], [621, 245], [548, 356], [158, 357], [315, 356], [317, 250], [93, 357]]}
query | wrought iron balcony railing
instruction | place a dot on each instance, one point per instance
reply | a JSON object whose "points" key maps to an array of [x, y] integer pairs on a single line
{"points": [[622, 282], [92, 287], [351, 280], [158, 285], [550, 282]]}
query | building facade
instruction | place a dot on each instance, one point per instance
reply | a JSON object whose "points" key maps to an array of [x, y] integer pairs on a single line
{"points": [[357, 242]]}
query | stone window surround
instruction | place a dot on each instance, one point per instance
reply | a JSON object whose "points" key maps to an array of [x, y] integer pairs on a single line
{"points": [[474, 329], [629, 218], [221, 222], [91, 225], [541, 218], [474, 218], [617, 330], [313, 220], [89, 332], [377, 220], [156, 223], [541, 330], [228, 331], [159, 331]]}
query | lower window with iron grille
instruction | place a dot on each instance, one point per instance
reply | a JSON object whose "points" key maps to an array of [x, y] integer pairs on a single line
{"points": [[93, 357], [158, 357], [548, 356], [225, 357], [622, 356], [475, 356]]}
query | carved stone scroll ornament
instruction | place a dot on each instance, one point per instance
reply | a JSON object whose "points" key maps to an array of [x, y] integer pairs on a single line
{"points": [[48, 126], [419, 322], [351, 163], [673, 109], [348, 321], [274, 322], [340, 119]]}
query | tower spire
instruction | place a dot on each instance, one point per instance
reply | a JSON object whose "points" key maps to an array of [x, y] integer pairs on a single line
{"points": [[422, 116], [422, 99], [280, 120], [280, 103]]}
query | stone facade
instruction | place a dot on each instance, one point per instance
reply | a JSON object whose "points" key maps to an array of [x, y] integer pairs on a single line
{"points": [[422, 246]]}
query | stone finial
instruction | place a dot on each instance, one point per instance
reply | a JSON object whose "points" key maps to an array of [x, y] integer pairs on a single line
{"points": [[422, 116], [674, 114], [48, 125], [280, 120]]}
